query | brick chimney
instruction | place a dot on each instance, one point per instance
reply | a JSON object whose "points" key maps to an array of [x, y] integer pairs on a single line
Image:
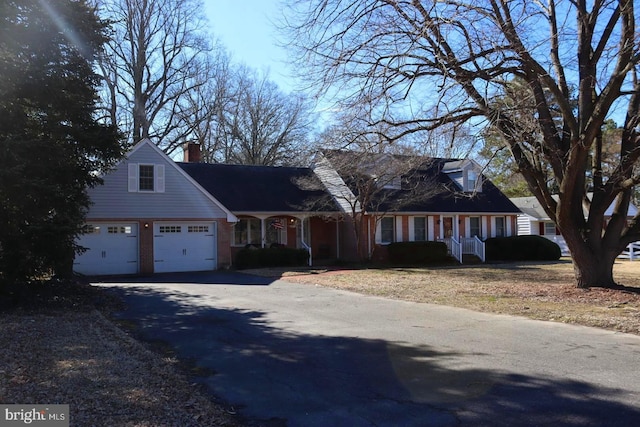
{"points": [[192, 153]]}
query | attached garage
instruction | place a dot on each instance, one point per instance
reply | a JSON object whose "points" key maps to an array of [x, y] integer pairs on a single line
{"points": [[112, 248], [184, 246]]}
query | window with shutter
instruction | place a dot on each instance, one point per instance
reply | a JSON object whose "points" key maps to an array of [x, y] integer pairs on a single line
{"points": [[146, 178]]}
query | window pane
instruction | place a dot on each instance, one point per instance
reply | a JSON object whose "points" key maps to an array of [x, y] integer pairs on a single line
{"points": [[240, 233], [255, 233], [549, 229], [386, 229], [275, 231], [500, 227], [419, 229], [474, 226], [146, 178], [471, 180]]}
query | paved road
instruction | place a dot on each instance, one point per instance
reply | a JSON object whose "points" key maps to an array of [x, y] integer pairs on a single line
{"points": [[300, 355]]}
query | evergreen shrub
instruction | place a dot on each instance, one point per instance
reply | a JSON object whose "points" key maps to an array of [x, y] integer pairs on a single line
{"points": [[522, 248], [270, 257]]}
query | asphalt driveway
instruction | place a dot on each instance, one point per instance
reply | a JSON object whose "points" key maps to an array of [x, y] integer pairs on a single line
{"points": [[300, 355]]}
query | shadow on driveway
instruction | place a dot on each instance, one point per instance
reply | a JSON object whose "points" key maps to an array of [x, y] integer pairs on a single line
{"points": [[278, 378]]}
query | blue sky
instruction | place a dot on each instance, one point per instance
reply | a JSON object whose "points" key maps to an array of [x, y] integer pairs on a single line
{"points": [[246, 29]]}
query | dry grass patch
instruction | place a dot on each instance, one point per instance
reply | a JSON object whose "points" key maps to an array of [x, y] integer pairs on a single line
{"points": [[542, 290], [57, 349]]}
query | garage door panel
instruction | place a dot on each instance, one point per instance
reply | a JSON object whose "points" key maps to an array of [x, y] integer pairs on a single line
{"points": [[111, 248], [184, 246]]}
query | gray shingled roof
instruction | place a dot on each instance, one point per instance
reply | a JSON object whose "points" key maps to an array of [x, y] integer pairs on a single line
{"points": [[243, 188], [489, 200]]}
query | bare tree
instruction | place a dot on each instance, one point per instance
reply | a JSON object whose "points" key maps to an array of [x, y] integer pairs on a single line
{"points": [[445, 61], [156, 60], [370, 185], [261, 125], [369, 178]]}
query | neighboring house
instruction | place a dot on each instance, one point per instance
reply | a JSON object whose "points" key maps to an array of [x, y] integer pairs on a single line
{"points": [[534, 220], [154, 215]]}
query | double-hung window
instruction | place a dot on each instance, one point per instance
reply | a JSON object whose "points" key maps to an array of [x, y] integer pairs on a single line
{"points": [[146, 178], [474, 226], [500, 230], [419, 229], [387, 229], [549, 229]]}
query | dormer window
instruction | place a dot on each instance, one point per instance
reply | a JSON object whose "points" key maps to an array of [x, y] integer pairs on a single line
{"points": [[472, 181], [465, 173]]}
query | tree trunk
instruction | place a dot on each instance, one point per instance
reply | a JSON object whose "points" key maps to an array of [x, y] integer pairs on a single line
{"points": [[593, 269]]}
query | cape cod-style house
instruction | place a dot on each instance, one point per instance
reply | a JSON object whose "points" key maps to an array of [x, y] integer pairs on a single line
{"points": [[153, 214]]}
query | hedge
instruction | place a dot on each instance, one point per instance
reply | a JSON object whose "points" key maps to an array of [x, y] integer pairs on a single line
{"points": [[412, 253], [522, 248], [270, 257]]}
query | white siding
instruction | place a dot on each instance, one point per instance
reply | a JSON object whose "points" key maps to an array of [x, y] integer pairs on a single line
{"points": [[524, 225], [180, 199]]}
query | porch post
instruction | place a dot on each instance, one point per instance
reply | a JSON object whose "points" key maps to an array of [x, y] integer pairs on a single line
{"points": [[263, 231]]}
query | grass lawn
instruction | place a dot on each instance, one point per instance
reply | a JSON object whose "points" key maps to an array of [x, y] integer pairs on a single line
{"points": [[538, 290]]}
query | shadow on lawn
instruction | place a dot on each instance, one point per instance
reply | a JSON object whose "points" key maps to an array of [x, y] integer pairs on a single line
{"points": [[279, 378]]}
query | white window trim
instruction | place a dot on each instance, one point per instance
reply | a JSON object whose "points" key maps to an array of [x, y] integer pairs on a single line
{"points": [[134, 178]]}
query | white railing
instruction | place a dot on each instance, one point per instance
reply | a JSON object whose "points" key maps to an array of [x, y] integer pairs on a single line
{"points": [[632, 252], [474, 246], [454, 247]]}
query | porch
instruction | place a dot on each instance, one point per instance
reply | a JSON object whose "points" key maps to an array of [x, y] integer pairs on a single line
{"points": [[319, 235]]}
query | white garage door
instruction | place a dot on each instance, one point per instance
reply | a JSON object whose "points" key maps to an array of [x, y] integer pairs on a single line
{"points": [[184, 246], [112, 249]]}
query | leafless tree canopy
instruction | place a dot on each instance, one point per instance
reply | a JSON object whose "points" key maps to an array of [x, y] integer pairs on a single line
{"points": [[259, 124], [423, 64], [157, 59]]}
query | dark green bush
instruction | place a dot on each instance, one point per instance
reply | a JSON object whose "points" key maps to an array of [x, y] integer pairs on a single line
{"points": [[271, 257], [417, 253], [522, 248]]}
